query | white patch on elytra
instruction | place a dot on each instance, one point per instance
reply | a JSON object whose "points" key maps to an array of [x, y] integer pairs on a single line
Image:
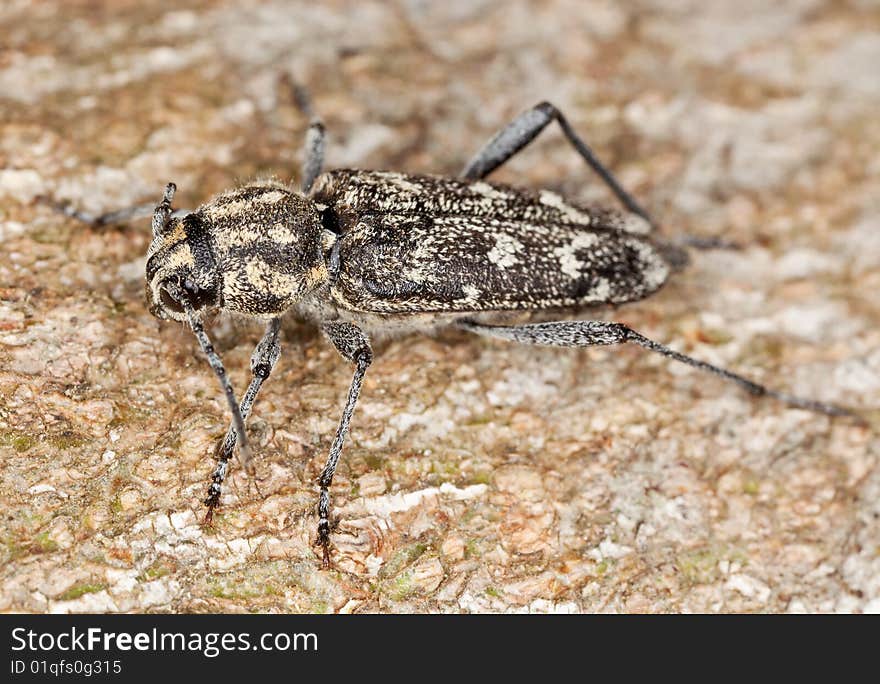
{"points": [[350, 197], [551, 199], [471, 293], [655, 270], [602, 291], [418, 267], [486, 190], [569, 263], [633, 223], [398, 180], [503, 254], [416, 274]]}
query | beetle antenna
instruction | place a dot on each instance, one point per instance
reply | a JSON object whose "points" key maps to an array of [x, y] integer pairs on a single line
{"points": [[163, 209]]}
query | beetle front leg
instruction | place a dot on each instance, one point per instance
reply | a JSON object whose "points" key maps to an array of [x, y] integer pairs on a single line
{"points": [[263, 360], [352, 343]]}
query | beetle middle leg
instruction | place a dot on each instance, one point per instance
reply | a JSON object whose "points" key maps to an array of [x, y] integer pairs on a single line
{"points": [[263, 360], [351, 342], [313, 154], [313, 144], [528, 125], [525, 128], [593, 333]]}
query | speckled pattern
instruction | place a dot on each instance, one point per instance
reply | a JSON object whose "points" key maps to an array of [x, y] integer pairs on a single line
{"points": [[414, 244], [478, 475]]}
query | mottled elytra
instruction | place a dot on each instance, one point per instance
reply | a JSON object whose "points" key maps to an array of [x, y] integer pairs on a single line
{"points": [[362, 252]]}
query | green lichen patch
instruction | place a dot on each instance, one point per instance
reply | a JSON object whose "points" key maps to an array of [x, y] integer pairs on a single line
{"points": [[256, 585], [702, 565], [472, 549], [481, 477], [751, 487], [42, 543], [401, 587], [79, 590], [11, 550], [18, 440], [67, 439], [405, 556]]}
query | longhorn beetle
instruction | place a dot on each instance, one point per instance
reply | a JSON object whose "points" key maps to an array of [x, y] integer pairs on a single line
{"points": [[359, 252]]}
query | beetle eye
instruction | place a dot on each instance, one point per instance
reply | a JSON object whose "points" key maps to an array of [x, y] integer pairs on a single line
{"points": [[169, 302]]}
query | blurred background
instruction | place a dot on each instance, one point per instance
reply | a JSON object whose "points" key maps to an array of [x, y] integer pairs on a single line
{"points": [[478, 476]]}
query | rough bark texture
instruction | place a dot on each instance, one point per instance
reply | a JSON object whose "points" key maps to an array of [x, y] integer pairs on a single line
{"points": [[479, 476]]}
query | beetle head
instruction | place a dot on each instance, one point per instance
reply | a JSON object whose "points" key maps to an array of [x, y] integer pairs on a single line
{"points": [[181, 268]]}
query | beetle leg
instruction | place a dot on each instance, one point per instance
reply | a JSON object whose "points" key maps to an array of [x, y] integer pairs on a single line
{"points": [[313, 145], [525, 128], [592, 333], [313, 154], [351, 342], [263, 360]]}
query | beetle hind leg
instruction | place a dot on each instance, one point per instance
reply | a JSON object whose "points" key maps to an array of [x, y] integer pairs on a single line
{"points": [[526, 127], [593, 333]]}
